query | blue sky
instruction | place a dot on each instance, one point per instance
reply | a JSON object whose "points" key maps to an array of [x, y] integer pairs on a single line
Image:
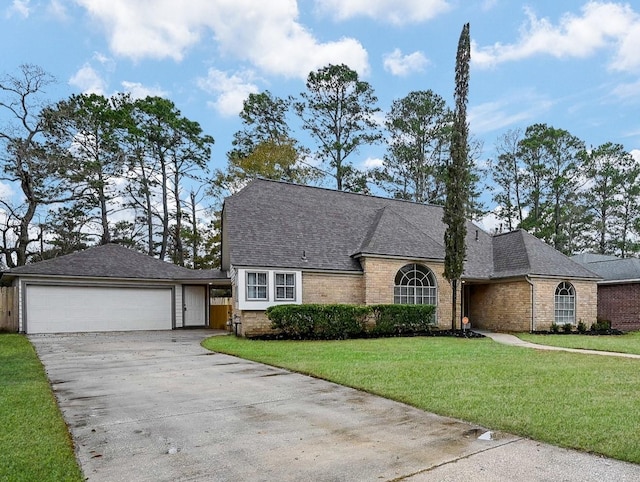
{"points": [[572, 64]]}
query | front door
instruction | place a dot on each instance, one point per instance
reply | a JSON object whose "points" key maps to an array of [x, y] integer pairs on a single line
{"points": [[194, 301]]}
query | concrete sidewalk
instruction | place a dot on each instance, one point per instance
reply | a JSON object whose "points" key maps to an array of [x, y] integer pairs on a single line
{"points": [[156, 406], [507, 339]]}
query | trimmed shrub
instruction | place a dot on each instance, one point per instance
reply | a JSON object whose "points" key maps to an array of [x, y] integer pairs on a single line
{"points": [[338, 322], [582, 327], [555, 328], [319, 322], [403, 319], [601, 325], [567, 327]]}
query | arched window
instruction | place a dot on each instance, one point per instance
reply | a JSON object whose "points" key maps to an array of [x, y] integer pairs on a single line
{"points": [[415, 285], [565, 304]]}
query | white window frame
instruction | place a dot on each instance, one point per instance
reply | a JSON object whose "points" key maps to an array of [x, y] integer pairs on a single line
{"points": [[256, 286], [565, 304], [240, 285], [416, 293], [285, 286]]}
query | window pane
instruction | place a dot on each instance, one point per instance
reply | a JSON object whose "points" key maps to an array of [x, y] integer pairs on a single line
{"points": [[256, 286], [285, 286]]}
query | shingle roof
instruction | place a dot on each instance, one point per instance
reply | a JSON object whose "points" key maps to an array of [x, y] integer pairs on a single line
{"points": [[273, 224], [612, 268], [113, 261], [519, 253]]}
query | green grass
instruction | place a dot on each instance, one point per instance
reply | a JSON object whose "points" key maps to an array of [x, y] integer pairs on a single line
{"points": [[586, 402], [627, 343], [34, 440]]}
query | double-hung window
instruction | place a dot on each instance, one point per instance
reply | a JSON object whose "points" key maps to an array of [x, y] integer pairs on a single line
{"points": [[285, 286], [257, 285]]}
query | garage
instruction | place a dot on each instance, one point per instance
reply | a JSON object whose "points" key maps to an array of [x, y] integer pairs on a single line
{"points": [[110, 288], [63, 309]]}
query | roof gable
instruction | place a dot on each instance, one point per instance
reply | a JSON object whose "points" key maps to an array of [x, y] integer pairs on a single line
{"points": [[519, 253], [391, 234]]}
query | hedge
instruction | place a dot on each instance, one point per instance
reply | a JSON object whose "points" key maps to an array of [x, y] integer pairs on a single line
{"points": [[403, 319], [338, 321]]}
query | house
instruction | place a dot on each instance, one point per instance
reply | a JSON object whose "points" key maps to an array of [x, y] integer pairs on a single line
{"points": [[618, 290], [110, 288], [286, 243]]}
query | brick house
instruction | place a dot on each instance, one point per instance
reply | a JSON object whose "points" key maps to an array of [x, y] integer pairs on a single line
{"points": [[618, 290], [286, 243]]}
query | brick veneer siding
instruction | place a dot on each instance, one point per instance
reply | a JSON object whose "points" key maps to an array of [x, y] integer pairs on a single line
{"points": [[322, 288], [379, 281], [327, 288], [500, 306], [506, 306], [620, 304], [544, 309]]}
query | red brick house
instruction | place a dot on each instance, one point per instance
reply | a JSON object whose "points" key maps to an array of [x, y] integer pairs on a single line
{"points": [[618, 290]]}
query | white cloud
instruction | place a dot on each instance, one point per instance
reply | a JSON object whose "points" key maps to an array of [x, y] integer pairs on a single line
{"points": [[18, 7], [140, 91], [636, 154], [57, 10], [488, 4], [402, 65], [6, 191], [231, 90], [266, 34], [372, 162], [397, 12], [600, 25], [514, 109], [88, 81], [627, 91]]}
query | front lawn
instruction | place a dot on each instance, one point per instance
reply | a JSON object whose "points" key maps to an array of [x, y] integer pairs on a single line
{"points": [[627, 343], [585, 402], [34, 441]]}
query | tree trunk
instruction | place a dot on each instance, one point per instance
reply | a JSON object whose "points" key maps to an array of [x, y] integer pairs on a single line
{"points": [[179, 249]]}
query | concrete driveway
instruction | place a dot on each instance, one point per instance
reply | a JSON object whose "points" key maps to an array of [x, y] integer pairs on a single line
{"points": [[156, 406]]}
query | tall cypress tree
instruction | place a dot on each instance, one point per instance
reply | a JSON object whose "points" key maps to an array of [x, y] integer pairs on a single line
{"points": [[457, 181]]}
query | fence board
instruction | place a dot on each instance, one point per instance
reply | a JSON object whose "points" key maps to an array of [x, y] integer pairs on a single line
{"points": [[8, 312]]}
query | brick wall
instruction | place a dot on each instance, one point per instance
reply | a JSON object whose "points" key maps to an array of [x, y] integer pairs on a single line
{"points": [[620, 304], [254, 323], [322, 288], [500, 306], [327, 288], [379, 280], [586, 302]]}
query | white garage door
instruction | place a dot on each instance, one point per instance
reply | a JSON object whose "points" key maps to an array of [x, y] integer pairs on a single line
{"points": [[58, 309]]}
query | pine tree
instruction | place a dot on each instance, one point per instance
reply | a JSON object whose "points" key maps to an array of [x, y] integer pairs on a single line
{"points": [[457, 182]]}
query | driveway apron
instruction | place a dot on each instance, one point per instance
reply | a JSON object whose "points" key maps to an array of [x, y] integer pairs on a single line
{"points": [[156, 406]]}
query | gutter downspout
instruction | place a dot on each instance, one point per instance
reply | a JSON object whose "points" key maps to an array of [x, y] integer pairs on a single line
{"points": [[533, 305]]}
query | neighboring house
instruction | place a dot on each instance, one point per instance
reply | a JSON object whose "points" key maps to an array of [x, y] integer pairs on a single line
{"points": [[618, 290], [285, 243], [110, 288]]}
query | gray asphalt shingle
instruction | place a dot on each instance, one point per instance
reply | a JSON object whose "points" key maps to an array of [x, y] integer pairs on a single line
{"points": [[113, 261], [272, 224], [614, 269]]}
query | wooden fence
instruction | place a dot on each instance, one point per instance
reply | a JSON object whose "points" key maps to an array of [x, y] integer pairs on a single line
{"points": [[8, 309]]}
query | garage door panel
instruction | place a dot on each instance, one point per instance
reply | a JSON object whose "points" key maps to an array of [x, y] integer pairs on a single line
{"points": [[59, 309]]}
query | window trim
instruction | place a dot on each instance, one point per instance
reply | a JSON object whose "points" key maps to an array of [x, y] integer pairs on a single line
{"points": [[558, 308], [266, 285], [284, 286], [432, 289]]}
